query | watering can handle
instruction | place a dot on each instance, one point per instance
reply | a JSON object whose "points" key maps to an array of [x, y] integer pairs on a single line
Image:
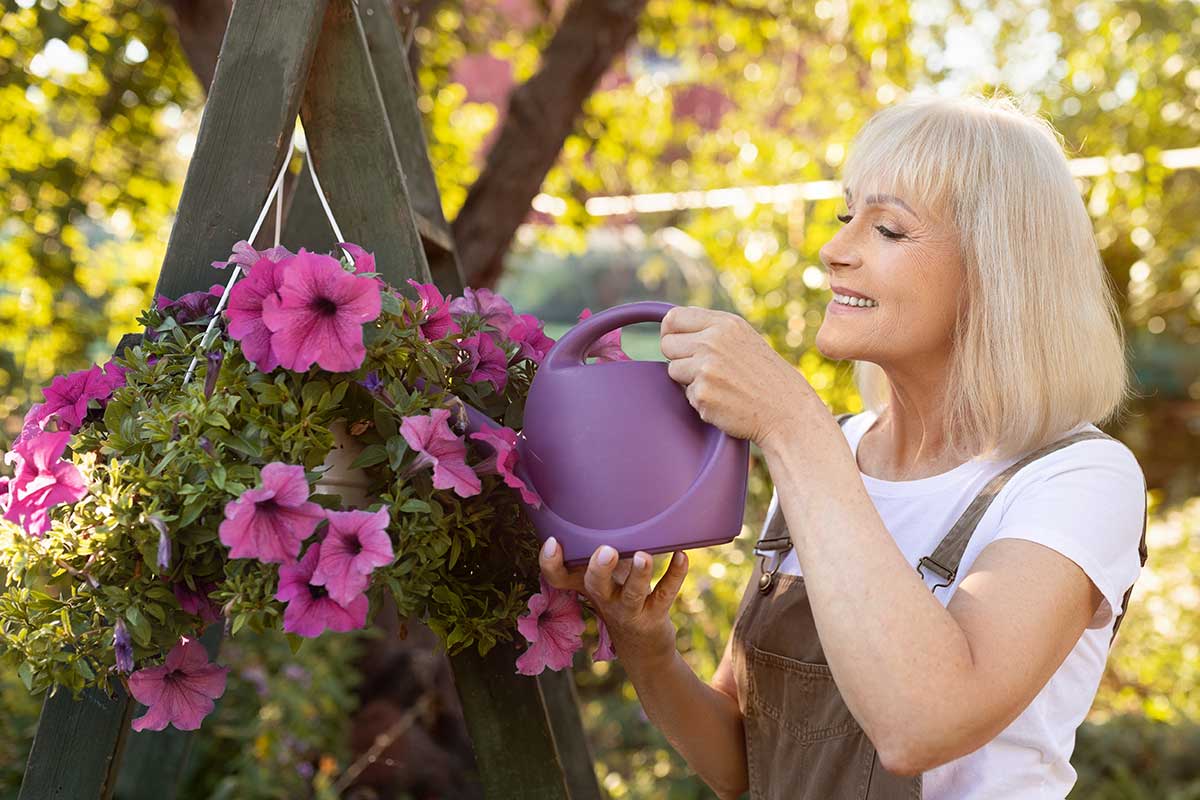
{"points": [[569, 350]]}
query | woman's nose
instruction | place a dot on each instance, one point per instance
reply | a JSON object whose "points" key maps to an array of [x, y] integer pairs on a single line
{"points": [[836, 256]]}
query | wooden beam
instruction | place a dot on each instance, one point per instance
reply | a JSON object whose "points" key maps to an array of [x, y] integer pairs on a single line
{"points": [[351, 144], [264, 63], [77, 746]]}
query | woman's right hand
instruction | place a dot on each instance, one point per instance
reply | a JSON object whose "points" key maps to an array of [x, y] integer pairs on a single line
{"points": [[637, 618]]}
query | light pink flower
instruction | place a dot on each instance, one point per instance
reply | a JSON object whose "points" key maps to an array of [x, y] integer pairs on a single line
{"points": [[356, 543], [42, 481], [181, 691], [245, 312], [492, 308], [430, 436], [553, 627], [437, 322], [319, 313], [246, 256], [527, 331], [608, 346], [36, 419], [503, 461], [67, 396], [270, 522], [486, 361], [310, 610]]}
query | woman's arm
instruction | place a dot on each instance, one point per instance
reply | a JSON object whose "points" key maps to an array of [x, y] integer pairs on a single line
{"points": [[701, 721], [927, 683]]}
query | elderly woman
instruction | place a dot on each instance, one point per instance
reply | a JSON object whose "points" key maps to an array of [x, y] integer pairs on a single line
{"points": [[941, 574]]}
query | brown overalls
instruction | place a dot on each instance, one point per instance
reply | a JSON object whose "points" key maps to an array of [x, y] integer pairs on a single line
{"points": [[802, 742]]}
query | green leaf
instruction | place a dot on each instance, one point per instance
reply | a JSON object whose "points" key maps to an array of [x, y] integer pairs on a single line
{"points": [[25, 673], [294, 641], [397, 448], [413, 505], [139, 627], [391, 305], [370, 456]]}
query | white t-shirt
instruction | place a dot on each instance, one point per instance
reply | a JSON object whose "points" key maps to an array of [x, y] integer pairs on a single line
{"points": [[1086, 501]]}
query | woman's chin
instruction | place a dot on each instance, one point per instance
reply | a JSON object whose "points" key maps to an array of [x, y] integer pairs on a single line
{"points": [[834, 348]]}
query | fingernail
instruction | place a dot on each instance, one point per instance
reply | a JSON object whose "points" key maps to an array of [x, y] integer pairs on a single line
{"points": [[548, 547], [677, 559], [639, 561], [607, 554]]}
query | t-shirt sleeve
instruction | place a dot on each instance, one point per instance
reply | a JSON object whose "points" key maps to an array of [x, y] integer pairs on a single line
{"points": [[1086, 501]]}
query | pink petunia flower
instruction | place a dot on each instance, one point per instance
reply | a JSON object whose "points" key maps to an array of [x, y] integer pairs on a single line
{"points": [[192, 306], [364, 262], [42, 481], [36, 419], [181, 691], [318, 314], [245, 312], [271, 522], [486, 361], [357, 542], [310, 610], [608, 346], [197, 602], [604, 649], [493, 308], [503, 460], [527, 332], [438, 323], [554, 629], [437, 445], [114, 373], [67, 396], [246, 256]]}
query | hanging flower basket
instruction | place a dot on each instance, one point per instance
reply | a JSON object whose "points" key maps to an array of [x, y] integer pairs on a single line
{"points": [[282, 463]]}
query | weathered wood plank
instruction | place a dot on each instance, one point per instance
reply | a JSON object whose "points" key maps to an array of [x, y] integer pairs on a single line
{"points": [[510, 731], [261, 71], [77, 745], [562, 709], [351, 144]]}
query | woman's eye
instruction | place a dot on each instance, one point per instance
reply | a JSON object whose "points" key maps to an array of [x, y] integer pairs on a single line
{"points": [[889, 234], [845, 218]]}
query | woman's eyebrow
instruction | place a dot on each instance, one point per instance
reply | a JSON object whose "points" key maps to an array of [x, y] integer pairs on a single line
{"points": [[883, 199]]}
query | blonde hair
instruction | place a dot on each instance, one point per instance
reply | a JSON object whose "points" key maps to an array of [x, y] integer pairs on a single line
{"points": [[1038, 344]]}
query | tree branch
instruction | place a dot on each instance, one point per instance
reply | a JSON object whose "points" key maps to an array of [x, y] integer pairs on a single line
{"points": [[541, 113]]}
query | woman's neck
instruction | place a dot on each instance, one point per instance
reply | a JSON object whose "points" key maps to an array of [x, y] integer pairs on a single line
{"points": [[907, 442]]}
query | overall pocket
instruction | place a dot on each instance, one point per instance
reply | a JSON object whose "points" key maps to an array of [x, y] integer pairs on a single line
{"points": [[801, 697]]}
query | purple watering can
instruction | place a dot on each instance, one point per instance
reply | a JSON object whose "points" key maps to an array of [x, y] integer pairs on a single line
{"points": [[619, 456]]}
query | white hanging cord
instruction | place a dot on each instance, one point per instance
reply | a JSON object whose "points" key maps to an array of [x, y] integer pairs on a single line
{"points": [[321, 195], [276, 192]]}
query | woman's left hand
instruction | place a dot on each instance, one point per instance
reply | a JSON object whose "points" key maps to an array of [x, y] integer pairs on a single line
{"points": [[732, 377]]}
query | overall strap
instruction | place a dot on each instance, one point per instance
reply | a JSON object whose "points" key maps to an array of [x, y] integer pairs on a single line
{"points": [[945, 559]]}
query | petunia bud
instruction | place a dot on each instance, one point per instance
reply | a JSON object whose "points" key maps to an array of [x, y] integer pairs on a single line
{"points": [[122, 647], [207, 446], [164, 543], [214, 357]]}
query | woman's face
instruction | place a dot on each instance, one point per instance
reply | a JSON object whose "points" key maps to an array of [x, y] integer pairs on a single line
{"points": [[906, 260]]}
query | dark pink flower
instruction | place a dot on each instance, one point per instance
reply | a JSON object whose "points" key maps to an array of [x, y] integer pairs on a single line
{"points": [[527, 332], [553, 627], [437, 322], [115, 374], [430, 436], [608, 346], [492, 308], [181, 691], [486, 361], [192, 306], [310, 610], [5, 493], [245, 312], [42, 481], [356, 543], [67, 396], [197, 602], [364, 262], [503, 460], [270, 522], [319, 313], [246, 256]]}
